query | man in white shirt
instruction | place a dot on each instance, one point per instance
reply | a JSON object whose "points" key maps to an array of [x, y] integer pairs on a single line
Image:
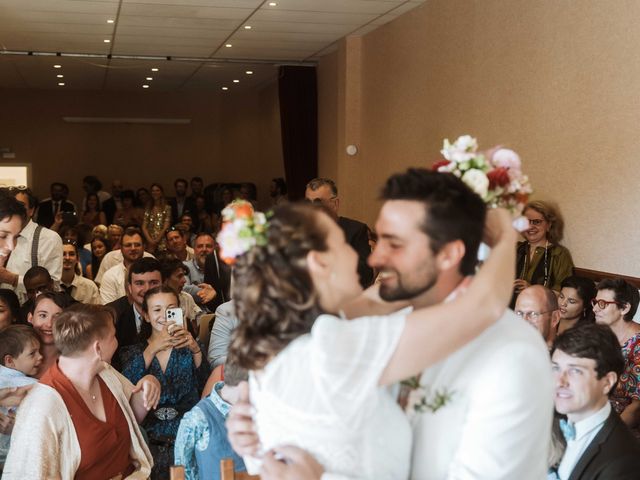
{"points": [[81, 289], [35, 246], [538, 305], [113, 281], [485, 411], [587, 363], [177, 245]]}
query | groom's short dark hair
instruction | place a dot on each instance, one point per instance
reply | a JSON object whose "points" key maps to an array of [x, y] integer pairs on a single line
{"points": [[452, 210]]}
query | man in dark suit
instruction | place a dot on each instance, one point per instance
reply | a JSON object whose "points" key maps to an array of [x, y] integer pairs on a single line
{"points": [[181, 203], [325, 192], [47, 209], [218, 275], [587, 363], [143, 275]]}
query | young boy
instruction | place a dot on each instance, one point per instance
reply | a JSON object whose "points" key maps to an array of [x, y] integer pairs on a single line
{"points": [[19, 360]]}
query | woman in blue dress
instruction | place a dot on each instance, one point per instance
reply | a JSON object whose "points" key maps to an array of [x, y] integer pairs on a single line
{"points": [[170, 353]]}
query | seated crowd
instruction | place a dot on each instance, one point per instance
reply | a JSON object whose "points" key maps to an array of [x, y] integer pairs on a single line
{"points": [[113, 367]]}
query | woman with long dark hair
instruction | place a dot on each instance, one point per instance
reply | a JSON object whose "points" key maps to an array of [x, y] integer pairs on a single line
{"points": [[574, 301]]}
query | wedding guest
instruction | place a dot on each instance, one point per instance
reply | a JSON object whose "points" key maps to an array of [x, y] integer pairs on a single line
{"points": [[177, 246], [47, 307], [93, 214], [99, 248], [19, 361], [81, 289], [129, 214], [157, 220], [202, 217], [91, 184], [615, 305], [143, 199], [278, 191], [587, 363], [226, 322], [325, 192], [82, 409], [286, 294], [114, 236], [202, 441], [180, 203], [541, 260], [77, 236], [49, 208], [575, 302], [171, 354], [46, 244], [429, 230], [112, 284], [9, 307], [174, 276], [538, 305]]}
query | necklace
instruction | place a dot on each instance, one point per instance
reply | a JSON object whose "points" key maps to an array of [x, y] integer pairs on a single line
{"points": [[527, 260]]}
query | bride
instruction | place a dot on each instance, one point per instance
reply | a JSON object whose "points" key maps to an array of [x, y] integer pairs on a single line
{"points": [[316, 379]]}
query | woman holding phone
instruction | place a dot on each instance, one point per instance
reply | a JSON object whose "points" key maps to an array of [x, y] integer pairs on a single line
{"points": [[171, 354]]}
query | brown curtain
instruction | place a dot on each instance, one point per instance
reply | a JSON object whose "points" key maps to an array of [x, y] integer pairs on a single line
{"points": [[299, 125]]}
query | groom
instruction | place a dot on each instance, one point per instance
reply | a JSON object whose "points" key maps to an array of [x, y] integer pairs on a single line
{"points": [[485, 411]]}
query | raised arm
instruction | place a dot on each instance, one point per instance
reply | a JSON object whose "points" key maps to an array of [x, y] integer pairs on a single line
{"points": [[432, 333]]}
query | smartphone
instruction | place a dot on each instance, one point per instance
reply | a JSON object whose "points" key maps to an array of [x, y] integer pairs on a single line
{"points": [[70, 218], [175, 315]]}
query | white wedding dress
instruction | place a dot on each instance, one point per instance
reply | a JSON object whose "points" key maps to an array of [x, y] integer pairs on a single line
{"points": [[321, 394]]}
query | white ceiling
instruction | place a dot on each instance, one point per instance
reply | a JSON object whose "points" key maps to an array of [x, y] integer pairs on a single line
{"points": [[193, 32]]}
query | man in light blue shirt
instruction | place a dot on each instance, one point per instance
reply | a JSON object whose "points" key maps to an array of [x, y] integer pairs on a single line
{"points": [[587, 362]]}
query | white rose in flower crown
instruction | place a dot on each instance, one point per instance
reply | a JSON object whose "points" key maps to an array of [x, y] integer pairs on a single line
{"points": [[230, 241], [462, 150], [477, 181]]}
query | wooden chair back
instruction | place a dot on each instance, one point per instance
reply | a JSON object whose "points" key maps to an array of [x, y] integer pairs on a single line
{"points": [[204, 333], [228, 473]]}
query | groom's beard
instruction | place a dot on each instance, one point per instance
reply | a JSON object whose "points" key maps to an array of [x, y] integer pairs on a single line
{"points": [[404, 288]]}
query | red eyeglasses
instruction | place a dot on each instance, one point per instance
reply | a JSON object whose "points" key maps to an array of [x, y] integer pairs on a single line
{"points": [[602, 304]]}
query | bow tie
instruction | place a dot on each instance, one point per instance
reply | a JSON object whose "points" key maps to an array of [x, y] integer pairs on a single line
{"points": [[568, 430]]}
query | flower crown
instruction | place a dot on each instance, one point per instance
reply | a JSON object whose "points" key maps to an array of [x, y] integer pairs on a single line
{"points": [[496, 175], [242, 229]]}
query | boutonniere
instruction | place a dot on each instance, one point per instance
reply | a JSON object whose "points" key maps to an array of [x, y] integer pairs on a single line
{"points": [[422, 398]]}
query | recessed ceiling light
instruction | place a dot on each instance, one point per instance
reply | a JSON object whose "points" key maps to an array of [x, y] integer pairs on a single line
{"points": [[61, 84], [225, 88], [247, 27], [149, 78], [57, 66], [110, 21], [60, 76], [249, 72], [106, 40], [228, 45], [154, 69], [145, 86], [236, 81], [272, 4]]}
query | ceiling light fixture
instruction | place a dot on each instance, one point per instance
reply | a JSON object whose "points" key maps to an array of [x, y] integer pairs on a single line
{"points": [[61, 84], [57, 66], [236, 81], [154, 69], [149, 78], [145, 86], [249, 72], [225, 88], [228, 45], [272, 4], [60, 76], [247, 27], [110, 21], [106, 40]]}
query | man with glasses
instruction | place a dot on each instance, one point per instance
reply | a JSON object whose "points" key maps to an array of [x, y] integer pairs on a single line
{"points": [[325, 192], [586, 364], [538, 305]]}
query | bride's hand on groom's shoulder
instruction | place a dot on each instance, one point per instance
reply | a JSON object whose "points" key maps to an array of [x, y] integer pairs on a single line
{"points": [[240, 426]]}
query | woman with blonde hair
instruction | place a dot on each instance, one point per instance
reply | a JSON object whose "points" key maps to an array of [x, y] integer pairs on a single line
{"points": [[81, 421], [157, 220], [540, 259]]}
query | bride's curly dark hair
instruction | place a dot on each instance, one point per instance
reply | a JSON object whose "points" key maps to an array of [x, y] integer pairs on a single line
{"points": [[274, 296]]}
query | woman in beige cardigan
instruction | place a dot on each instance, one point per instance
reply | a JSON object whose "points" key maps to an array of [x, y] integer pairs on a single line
{"points": [[81, 421]]}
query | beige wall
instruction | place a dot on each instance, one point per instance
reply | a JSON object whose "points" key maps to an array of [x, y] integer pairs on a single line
{"points": [[235, 137], [553, 80]]}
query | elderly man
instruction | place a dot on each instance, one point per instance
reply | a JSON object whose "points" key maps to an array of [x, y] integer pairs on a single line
{"points": [[325, 192], [538, 305], [587, 363]]}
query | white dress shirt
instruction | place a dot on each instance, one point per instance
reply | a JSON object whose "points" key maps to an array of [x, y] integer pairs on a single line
{"points": [[84, 290], [113, 281], [49, 256], [110, 260], [586, 430]]}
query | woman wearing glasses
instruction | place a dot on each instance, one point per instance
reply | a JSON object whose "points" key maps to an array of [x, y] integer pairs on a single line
{"points": [[615, 305], [541, 260]]}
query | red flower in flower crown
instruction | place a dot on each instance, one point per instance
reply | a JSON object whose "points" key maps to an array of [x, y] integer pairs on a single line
{"points": [[498, 177], [438, 164]]}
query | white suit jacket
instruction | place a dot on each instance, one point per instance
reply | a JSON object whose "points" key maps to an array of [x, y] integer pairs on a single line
{"points": [[497, 422]]}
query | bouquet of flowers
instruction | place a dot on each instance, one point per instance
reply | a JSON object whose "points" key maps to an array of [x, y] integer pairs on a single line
{"points": [[496, 175], [242, 229]]}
